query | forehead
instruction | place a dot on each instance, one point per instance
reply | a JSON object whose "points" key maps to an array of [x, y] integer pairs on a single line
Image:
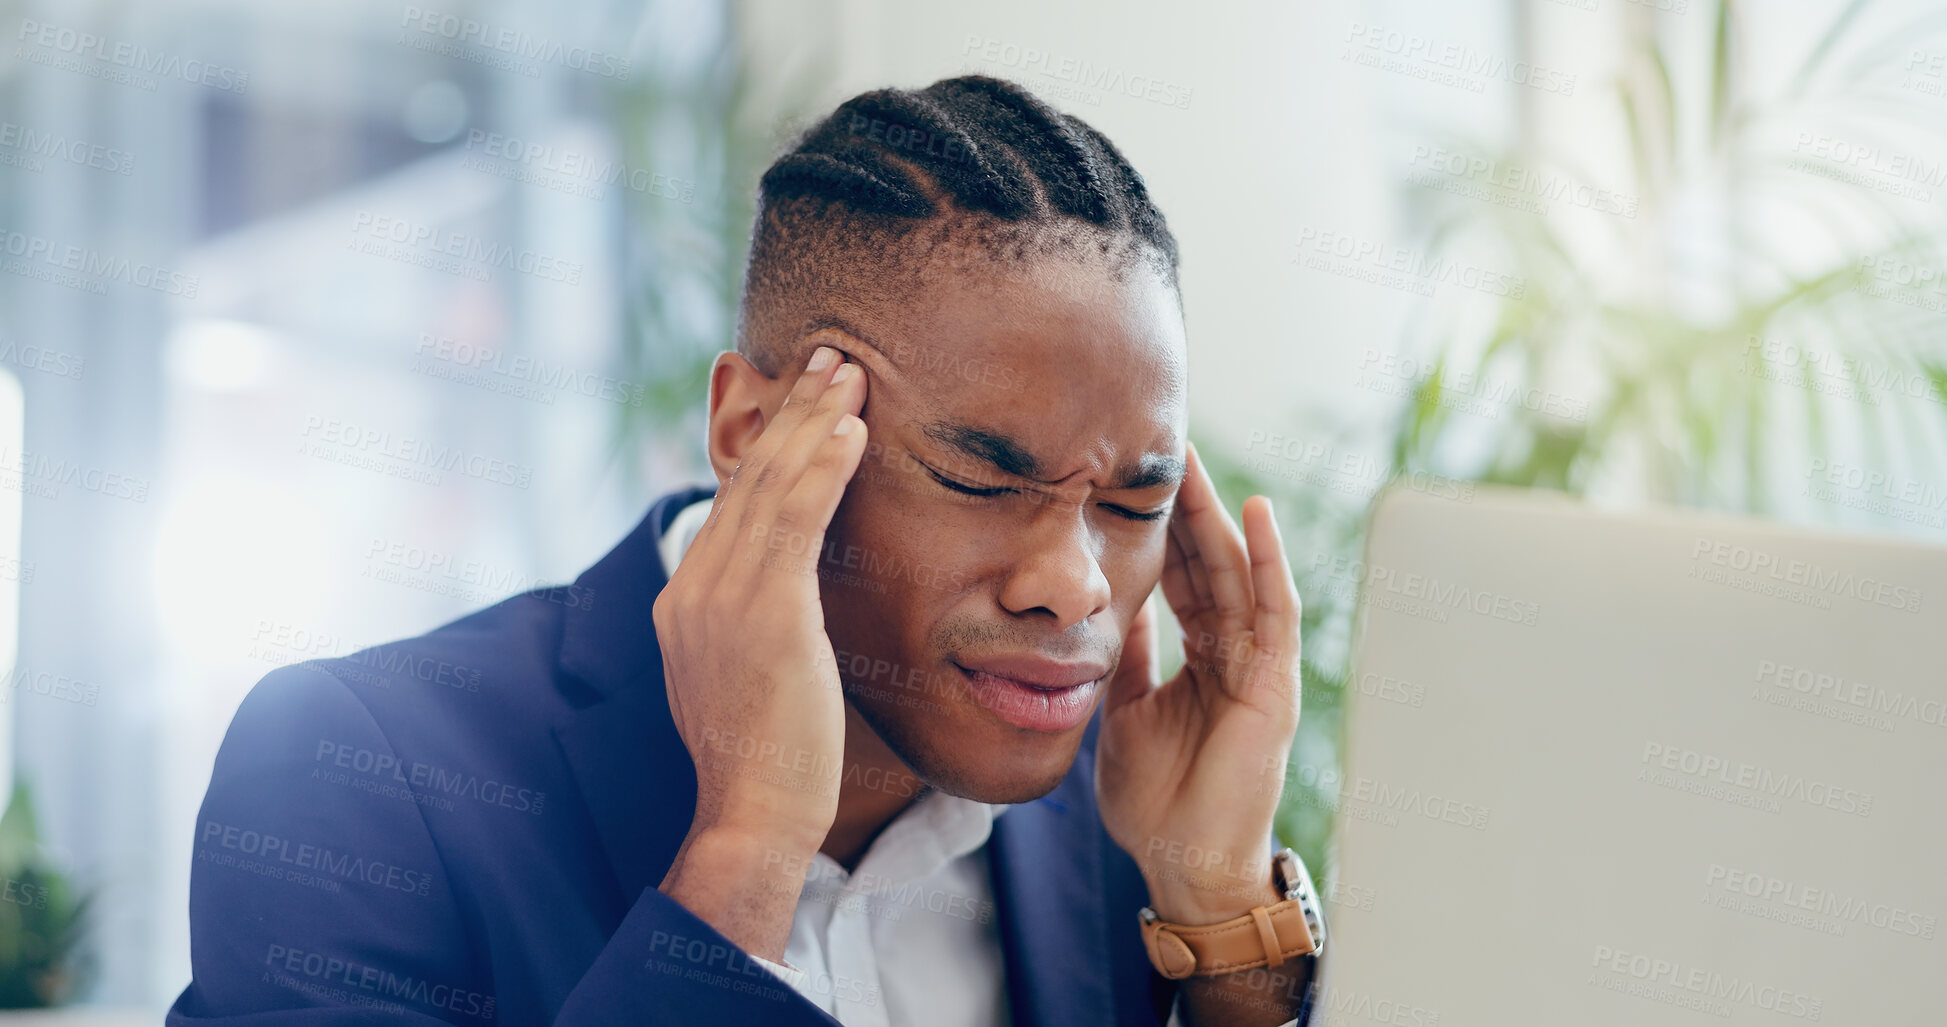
{"points": [[1081, 363]]}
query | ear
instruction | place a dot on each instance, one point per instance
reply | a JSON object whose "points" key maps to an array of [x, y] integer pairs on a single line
{"points": [[742, 402]]}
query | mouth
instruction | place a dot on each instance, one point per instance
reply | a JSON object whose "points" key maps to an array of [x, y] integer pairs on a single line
{"points": [[1034, 694]]}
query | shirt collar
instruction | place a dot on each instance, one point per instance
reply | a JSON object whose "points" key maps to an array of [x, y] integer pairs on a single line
{"points": [[681, 532]]}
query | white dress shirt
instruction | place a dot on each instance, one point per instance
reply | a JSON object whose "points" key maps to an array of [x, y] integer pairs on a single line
{"points": [[910, 936]]}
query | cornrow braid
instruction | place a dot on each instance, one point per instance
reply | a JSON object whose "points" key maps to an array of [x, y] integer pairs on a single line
{"points": [[893, 178]]}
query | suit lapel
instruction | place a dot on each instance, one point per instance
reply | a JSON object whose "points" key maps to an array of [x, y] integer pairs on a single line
{"points": [[635, 777], [1046, 861], [640, 798]]}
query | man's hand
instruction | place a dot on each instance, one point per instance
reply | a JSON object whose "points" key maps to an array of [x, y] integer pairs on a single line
{"points": [[752, 680], [1188, 772]]}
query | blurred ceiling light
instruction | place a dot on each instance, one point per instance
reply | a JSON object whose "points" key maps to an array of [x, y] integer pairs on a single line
{"points": [[435, 112], [221, 356]]}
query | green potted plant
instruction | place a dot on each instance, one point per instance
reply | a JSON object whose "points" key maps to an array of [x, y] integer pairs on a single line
{"points": [[42, 917]]}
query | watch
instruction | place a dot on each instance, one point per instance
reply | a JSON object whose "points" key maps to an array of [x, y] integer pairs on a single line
{"points": [[1265, 936]]}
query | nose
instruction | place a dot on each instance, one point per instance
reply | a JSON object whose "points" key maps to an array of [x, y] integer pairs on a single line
{"points": [[1058, 572]]}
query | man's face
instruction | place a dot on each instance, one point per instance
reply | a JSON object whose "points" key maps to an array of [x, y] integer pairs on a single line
{"points": [[1008, 518]]}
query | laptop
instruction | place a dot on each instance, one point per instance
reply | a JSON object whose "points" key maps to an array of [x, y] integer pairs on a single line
{"points": [[1657, 767]]}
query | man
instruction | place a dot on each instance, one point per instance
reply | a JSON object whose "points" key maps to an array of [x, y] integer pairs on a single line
{"points": [[873, 731]]}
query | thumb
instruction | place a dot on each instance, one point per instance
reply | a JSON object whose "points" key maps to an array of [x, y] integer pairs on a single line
{"points": [[1135, 674]]}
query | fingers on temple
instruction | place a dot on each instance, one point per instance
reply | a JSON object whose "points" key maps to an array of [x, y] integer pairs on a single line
{"points": [[1277, 618], [733, 496], [813, 462], [836, 441], [1178, 587], [1218, 545], [761, 500], [1195, 575], [814, 452], [1277, 593]]}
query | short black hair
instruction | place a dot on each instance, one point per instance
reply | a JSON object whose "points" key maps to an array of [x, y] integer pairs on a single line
{"points": [[875, 194]]}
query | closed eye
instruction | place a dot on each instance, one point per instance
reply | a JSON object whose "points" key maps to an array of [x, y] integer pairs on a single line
{"points": [[1137, 515], [966, 489], [990, 491]]}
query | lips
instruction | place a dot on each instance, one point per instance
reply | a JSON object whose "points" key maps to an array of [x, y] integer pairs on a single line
{"points": [[1035, 693]]}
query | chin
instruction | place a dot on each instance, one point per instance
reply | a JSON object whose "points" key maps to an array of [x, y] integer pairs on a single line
{"points": [[963, 751], [999, 790]]}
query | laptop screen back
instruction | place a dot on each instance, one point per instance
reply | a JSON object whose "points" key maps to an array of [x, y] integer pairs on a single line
{"points": [[1664, 768]]}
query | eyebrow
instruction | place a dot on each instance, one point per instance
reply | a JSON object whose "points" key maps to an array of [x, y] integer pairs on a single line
{"points": [[1148, 471]]}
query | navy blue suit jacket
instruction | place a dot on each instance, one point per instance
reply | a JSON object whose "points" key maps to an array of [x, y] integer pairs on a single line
{"points": [[469, 827]]}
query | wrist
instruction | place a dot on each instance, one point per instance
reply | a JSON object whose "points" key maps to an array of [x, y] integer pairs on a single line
{"points": [[1210, 902], [745, 885], [1202, 884], [733, 820], [749, 854]]}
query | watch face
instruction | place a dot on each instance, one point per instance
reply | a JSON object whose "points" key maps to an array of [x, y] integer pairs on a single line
{"points": [[1289, 877]]}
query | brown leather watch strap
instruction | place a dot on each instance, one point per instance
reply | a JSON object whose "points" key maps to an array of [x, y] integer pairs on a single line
{"points": [[1237, 944], [1265, 936]]}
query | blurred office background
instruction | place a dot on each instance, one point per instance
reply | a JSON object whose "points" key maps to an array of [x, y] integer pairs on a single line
{"points": [[332, 321]]}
